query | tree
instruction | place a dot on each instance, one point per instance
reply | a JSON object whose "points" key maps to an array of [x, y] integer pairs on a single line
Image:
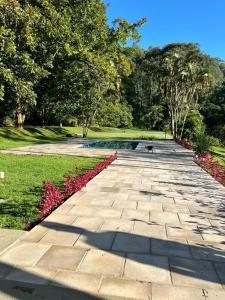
{"points": [[181, 73], [18, 69]]}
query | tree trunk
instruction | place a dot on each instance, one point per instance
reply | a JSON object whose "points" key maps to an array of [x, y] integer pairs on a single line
{"points": [[60, 124], [19, 115], [85, 130]]}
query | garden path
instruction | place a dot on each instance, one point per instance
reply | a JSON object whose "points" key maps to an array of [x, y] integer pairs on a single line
{"points": [[151, 226]]}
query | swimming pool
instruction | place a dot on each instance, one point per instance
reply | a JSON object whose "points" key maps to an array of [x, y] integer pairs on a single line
{"points": [[129, 145]]}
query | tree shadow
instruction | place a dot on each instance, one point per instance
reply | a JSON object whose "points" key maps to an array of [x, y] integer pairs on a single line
{"points": [[186, 259], [52, 290]]}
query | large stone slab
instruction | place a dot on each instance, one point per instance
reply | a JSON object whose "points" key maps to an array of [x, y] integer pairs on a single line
{"points": [[147, 268], [130, 242], [190, 272], [125, 288], [61, 257], [9, 236], [99, 262], [81, 282], [170, 247], [25, 254], [168, 292]]}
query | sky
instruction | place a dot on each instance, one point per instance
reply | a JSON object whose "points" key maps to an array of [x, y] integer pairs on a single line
{"points": [[169, 21]]}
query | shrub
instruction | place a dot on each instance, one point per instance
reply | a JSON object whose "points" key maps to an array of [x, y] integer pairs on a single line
{"points": [[76, 183], [202, 143], [184, 143], [51, 198], [214, 141], [7, 121], [208, 163]]}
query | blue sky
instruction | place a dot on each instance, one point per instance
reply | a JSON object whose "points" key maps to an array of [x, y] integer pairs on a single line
{"points": [[169, 21]]}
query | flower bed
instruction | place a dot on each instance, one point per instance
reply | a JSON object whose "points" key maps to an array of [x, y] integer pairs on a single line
{"points": [[207, 162], [184, 143], [53, 197]]}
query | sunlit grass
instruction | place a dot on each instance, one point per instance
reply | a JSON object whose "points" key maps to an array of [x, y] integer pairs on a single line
{"points": [[12, 137], [21, 189]]}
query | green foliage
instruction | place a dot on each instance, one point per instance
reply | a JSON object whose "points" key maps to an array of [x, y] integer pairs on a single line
{"points": [[202, 141], [194, 123], [115, 115], [153, 116], [7, 121], [214, 141]]}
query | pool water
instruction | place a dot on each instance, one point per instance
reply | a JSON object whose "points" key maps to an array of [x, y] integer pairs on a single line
{"points": [[112, 145]]}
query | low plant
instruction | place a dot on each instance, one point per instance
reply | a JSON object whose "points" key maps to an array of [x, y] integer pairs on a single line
{"points": [[208, 163], [184, 143]]}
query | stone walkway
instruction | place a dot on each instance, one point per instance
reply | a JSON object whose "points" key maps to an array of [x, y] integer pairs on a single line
{"points": [[151, 226]]}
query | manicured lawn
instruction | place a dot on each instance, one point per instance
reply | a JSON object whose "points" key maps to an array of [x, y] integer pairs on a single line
{"points": [[11, 137], [21, 189]]}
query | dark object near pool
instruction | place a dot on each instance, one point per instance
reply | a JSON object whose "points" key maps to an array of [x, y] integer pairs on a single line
{"points": [[112, 145], [73, 135], [149, 148]]}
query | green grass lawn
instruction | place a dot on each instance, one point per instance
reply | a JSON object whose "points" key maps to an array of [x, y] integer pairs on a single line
{"points": [[11, 137], [22, 187]]}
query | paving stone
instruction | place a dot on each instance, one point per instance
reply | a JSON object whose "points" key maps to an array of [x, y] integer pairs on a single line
{"points": [[130, 242], [176, 208], [118, 196], [26, 254], [4, 270], [102, 202], [117, 225], [125, 288], [143, 205], [191, 219], [91, 223], [61, 257], [207, 250], [190, 272], [100, 240], [164, 217], [195, 209], [125, 204], [88, 211], [170, 247], [149, 230], [109, 189], [168, 292], [63, 209], [61, 237], [102, 263], [53, 221], [108, 212], [82, 282], [184, 231], [31, 275], [220, 269], [9, 236], [134, 215], [162, 199], [212, 234], [148, 268], [35, 235]]}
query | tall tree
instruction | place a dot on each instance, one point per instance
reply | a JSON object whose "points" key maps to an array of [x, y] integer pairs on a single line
{"points": [[182, 73]]}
